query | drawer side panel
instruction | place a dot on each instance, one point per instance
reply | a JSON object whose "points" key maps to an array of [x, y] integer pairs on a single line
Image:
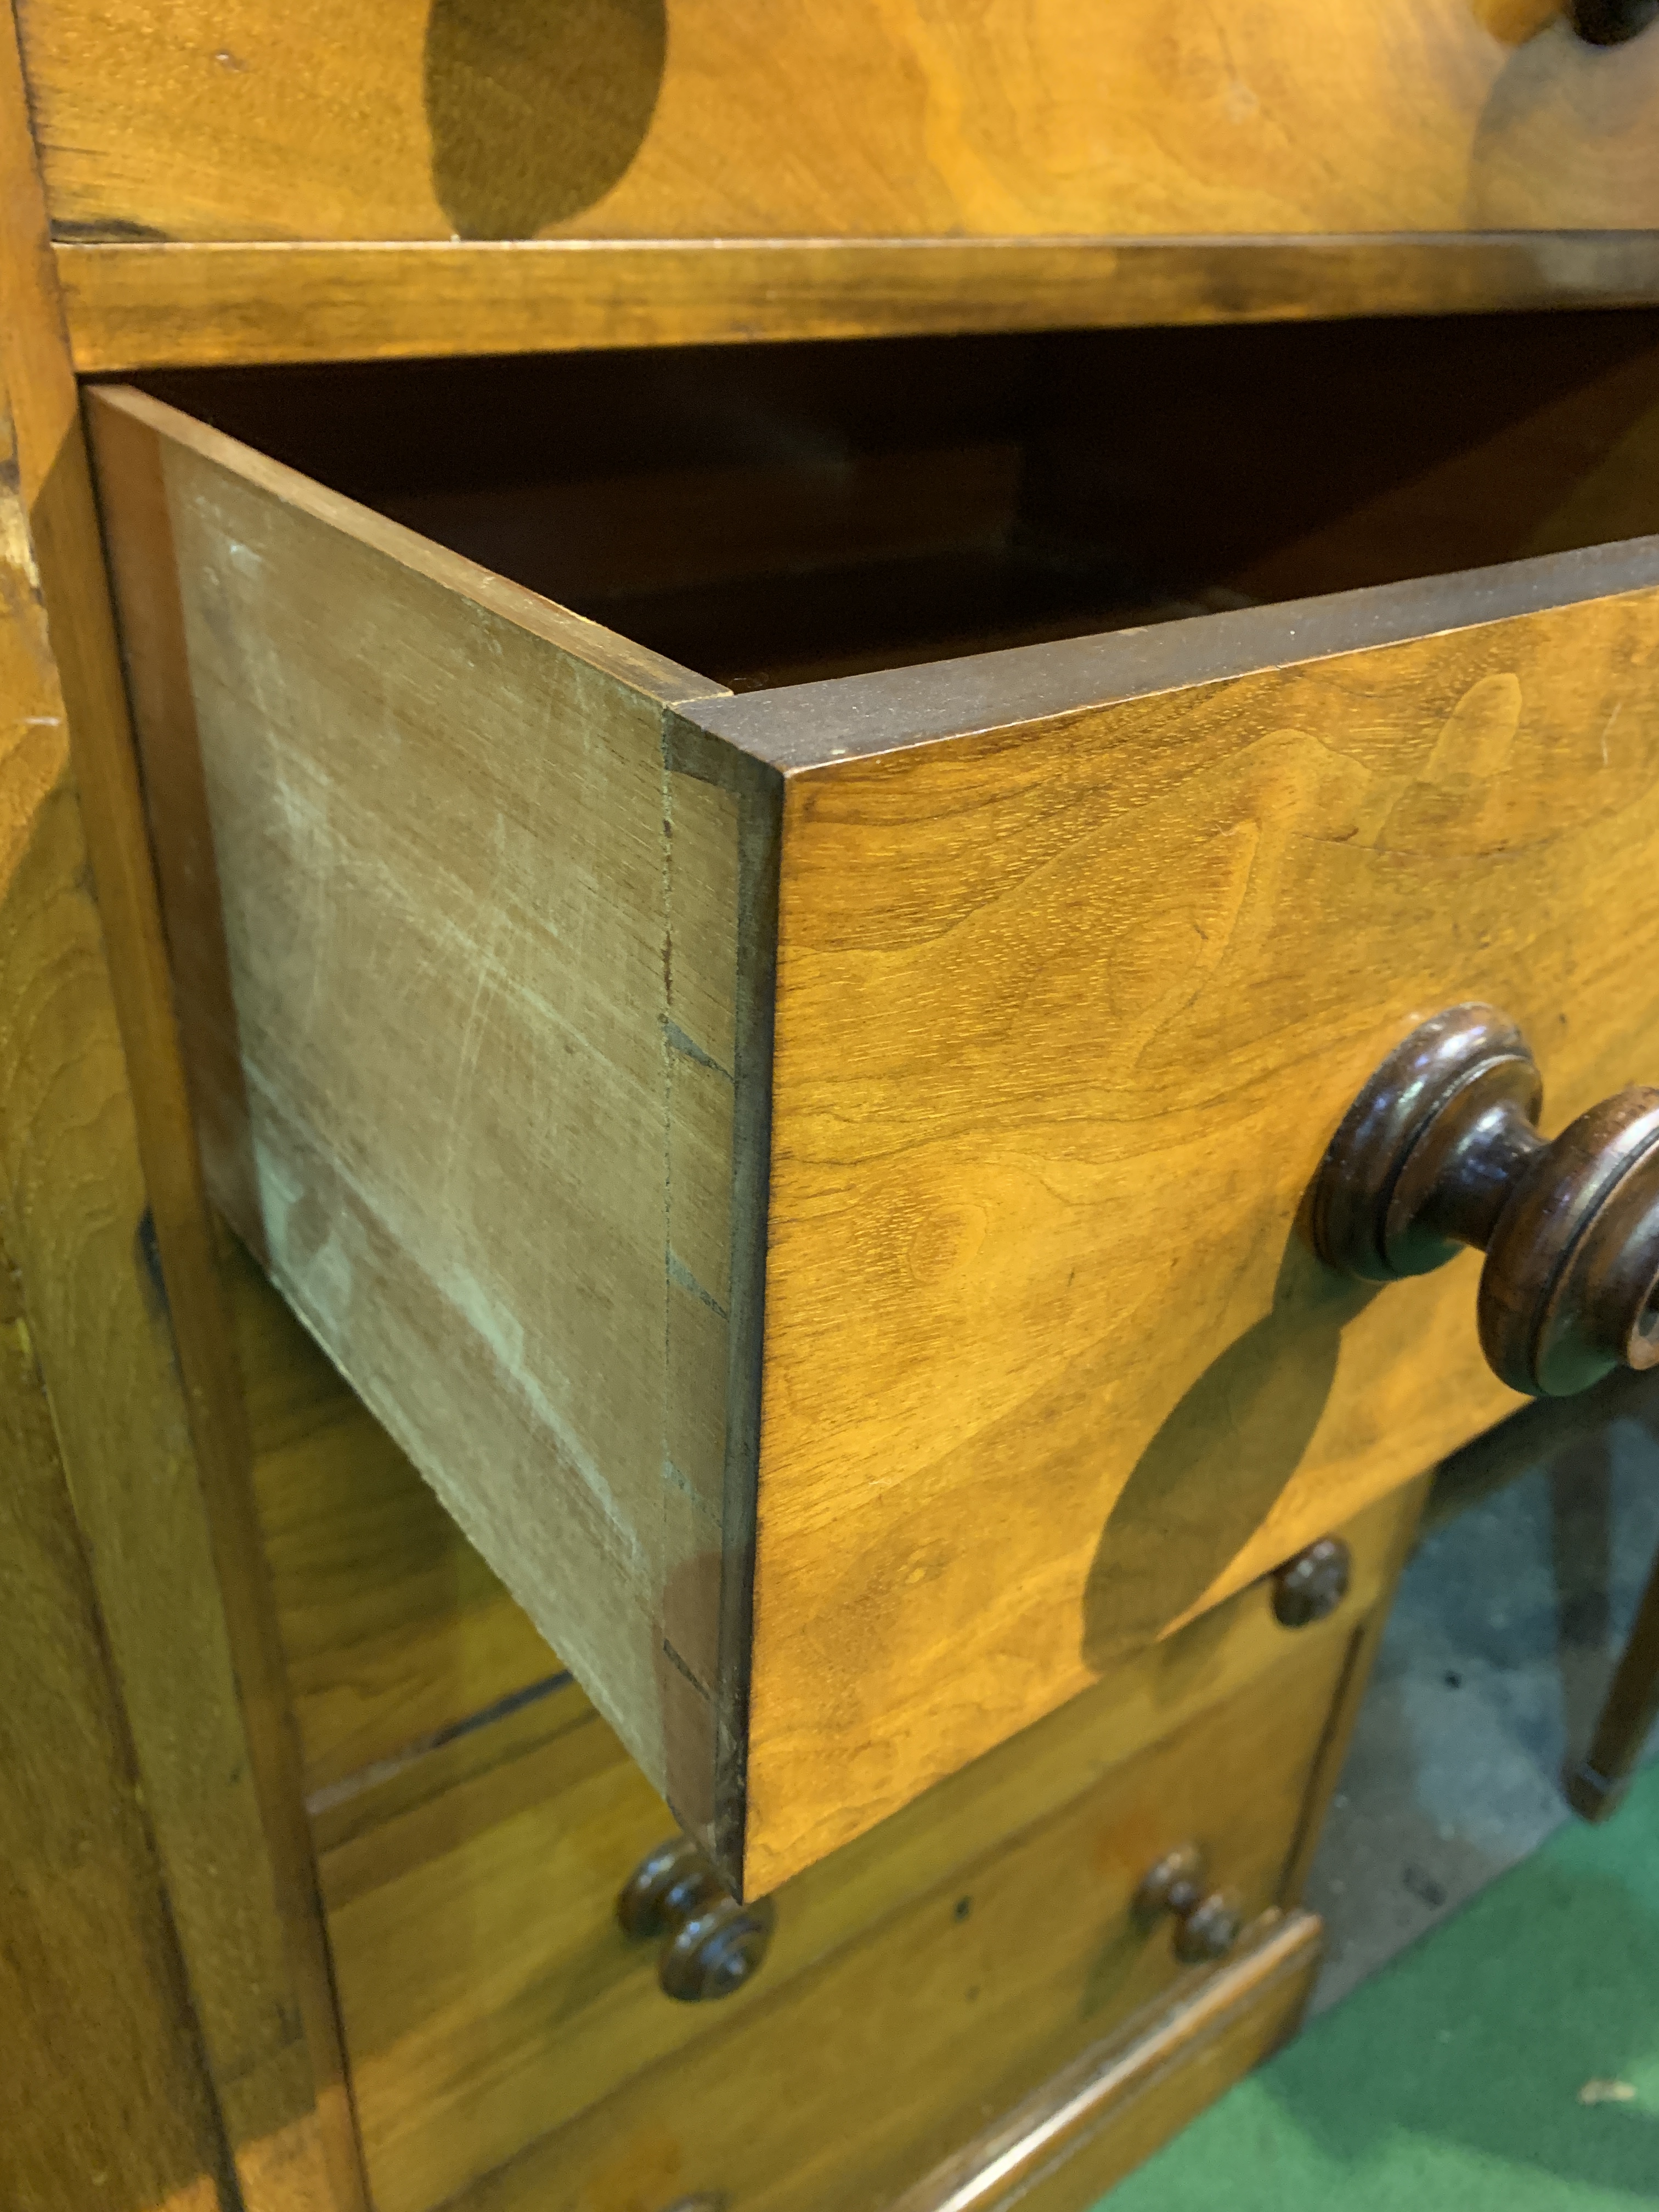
{"points": [[411, 827]]}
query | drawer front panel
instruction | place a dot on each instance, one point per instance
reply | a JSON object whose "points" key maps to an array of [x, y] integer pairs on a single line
{"points": [[488, 1994], [861, 2075], [1072, 993], [637, 118]]}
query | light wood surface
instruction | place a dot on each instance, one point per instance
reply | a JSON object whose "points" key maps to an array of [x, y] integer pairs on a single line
{"points": [[850, 2081], [1093, 983], [505, 1847], [104, 2096], [1046, 1368], [395, 1631], [106, 1228], [881, 118], [1081, 2132], [504, 886], [142, 305]]}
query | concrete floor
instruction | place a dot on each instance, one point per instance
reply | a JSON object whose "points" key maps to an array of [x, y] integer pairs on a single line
{"points": [[1509, 1620]]}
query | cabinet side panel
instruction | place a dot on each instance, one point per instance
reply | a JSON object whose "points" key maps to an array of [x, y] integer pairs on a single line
{"points": [[411, 828]]}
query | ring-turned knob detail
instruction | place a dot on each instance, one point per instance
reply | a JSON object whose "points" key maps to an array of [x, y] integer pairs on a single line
{"points": [[1442, 1149], [714, 1944], [1208, 1922]]}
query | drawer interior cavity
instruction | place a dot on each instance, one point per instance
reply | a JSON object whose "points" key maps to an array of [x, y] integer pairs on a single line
{"points": [[771, 514]]}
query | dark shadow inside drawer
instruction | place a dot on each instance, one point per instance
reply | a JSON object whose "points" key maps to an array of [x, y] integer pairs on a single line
{"points": [[769, 515]]}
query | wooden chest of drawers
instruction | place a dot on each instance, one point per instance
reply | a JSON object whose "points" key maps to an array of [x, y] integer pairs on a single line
{"points": [[945, 1983], [767, 943], [812, 1175]]}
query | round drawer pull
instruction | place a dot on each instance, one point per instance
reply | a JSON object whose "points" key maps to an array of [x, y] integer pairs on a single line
{"points": [[1208, 1922], [714, 1944], [1610, 22], [1311, 1586], [1441, 1149]]}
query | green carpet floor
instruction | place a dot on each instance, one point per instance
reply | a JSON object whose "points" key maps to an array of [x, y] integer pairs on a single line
{"points": [[1451, 2081]]}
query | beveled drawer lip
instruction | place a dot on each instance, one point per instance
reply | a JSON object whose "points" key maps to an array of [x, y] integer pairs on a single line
{"points": [[801, 727]]}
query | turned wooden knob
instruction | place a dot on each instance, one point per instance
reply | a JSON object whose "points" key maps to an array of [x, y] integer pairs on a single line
{"points": [[1206, 1921], [1610, 22], [1442, 1149], [712, 1944]]}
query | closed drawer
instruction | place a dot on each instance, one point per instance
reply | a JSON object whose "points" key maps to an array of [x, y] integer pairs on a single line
{"points": [[1019, 119], [811, 1172], [475, 1820], [493, 2011], [843, 2082]]}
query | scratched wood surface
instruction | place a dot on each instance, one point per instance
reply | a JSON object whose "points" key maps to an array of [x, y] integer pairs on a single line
{"points": [[883, 119], [396, 1633], [498, 1169]]}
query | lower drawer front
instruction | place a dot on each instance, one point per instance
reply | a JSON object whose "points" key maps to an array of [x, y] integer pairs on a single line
{"points": [[853, 2081], [949, 1962]]}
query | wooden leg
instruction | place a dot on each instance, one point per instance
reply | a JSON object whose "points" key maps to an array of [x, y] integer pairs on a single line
{"points": [[1596, 1786]]}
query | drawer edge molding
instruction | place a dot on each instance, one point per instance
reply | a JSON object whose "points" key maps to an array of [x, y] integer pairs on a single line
{"points": [[1238, 2015], [133, 305]]}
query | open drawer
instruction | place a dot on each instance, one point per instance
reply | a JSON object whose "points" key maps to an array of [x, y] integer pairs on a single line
{"points": [[806, 1159]]}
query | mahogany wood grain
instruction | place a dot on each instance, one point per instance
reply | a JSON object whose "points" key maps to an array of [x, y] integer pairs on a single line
{"points": [[106, 1228], [225, 119], [138, 306]]}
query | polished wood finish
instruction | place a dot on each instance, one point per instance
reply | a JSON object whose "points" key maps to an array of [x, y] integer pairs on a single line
{"points": [[106, 1227], [956, 2005], [1081, 2132], [976, 903], [1304, 852], [104, 2093], [506, 1845], [142, 305], [1441, 1150], [229, 120]]}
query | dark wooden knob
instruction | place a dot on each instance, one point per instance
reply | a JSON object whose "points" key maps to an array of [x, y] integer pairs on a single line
{"points": [[1442, 1149], [1206, 1921], [1610, 22], [1310, 1586], [714, 1945]]}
